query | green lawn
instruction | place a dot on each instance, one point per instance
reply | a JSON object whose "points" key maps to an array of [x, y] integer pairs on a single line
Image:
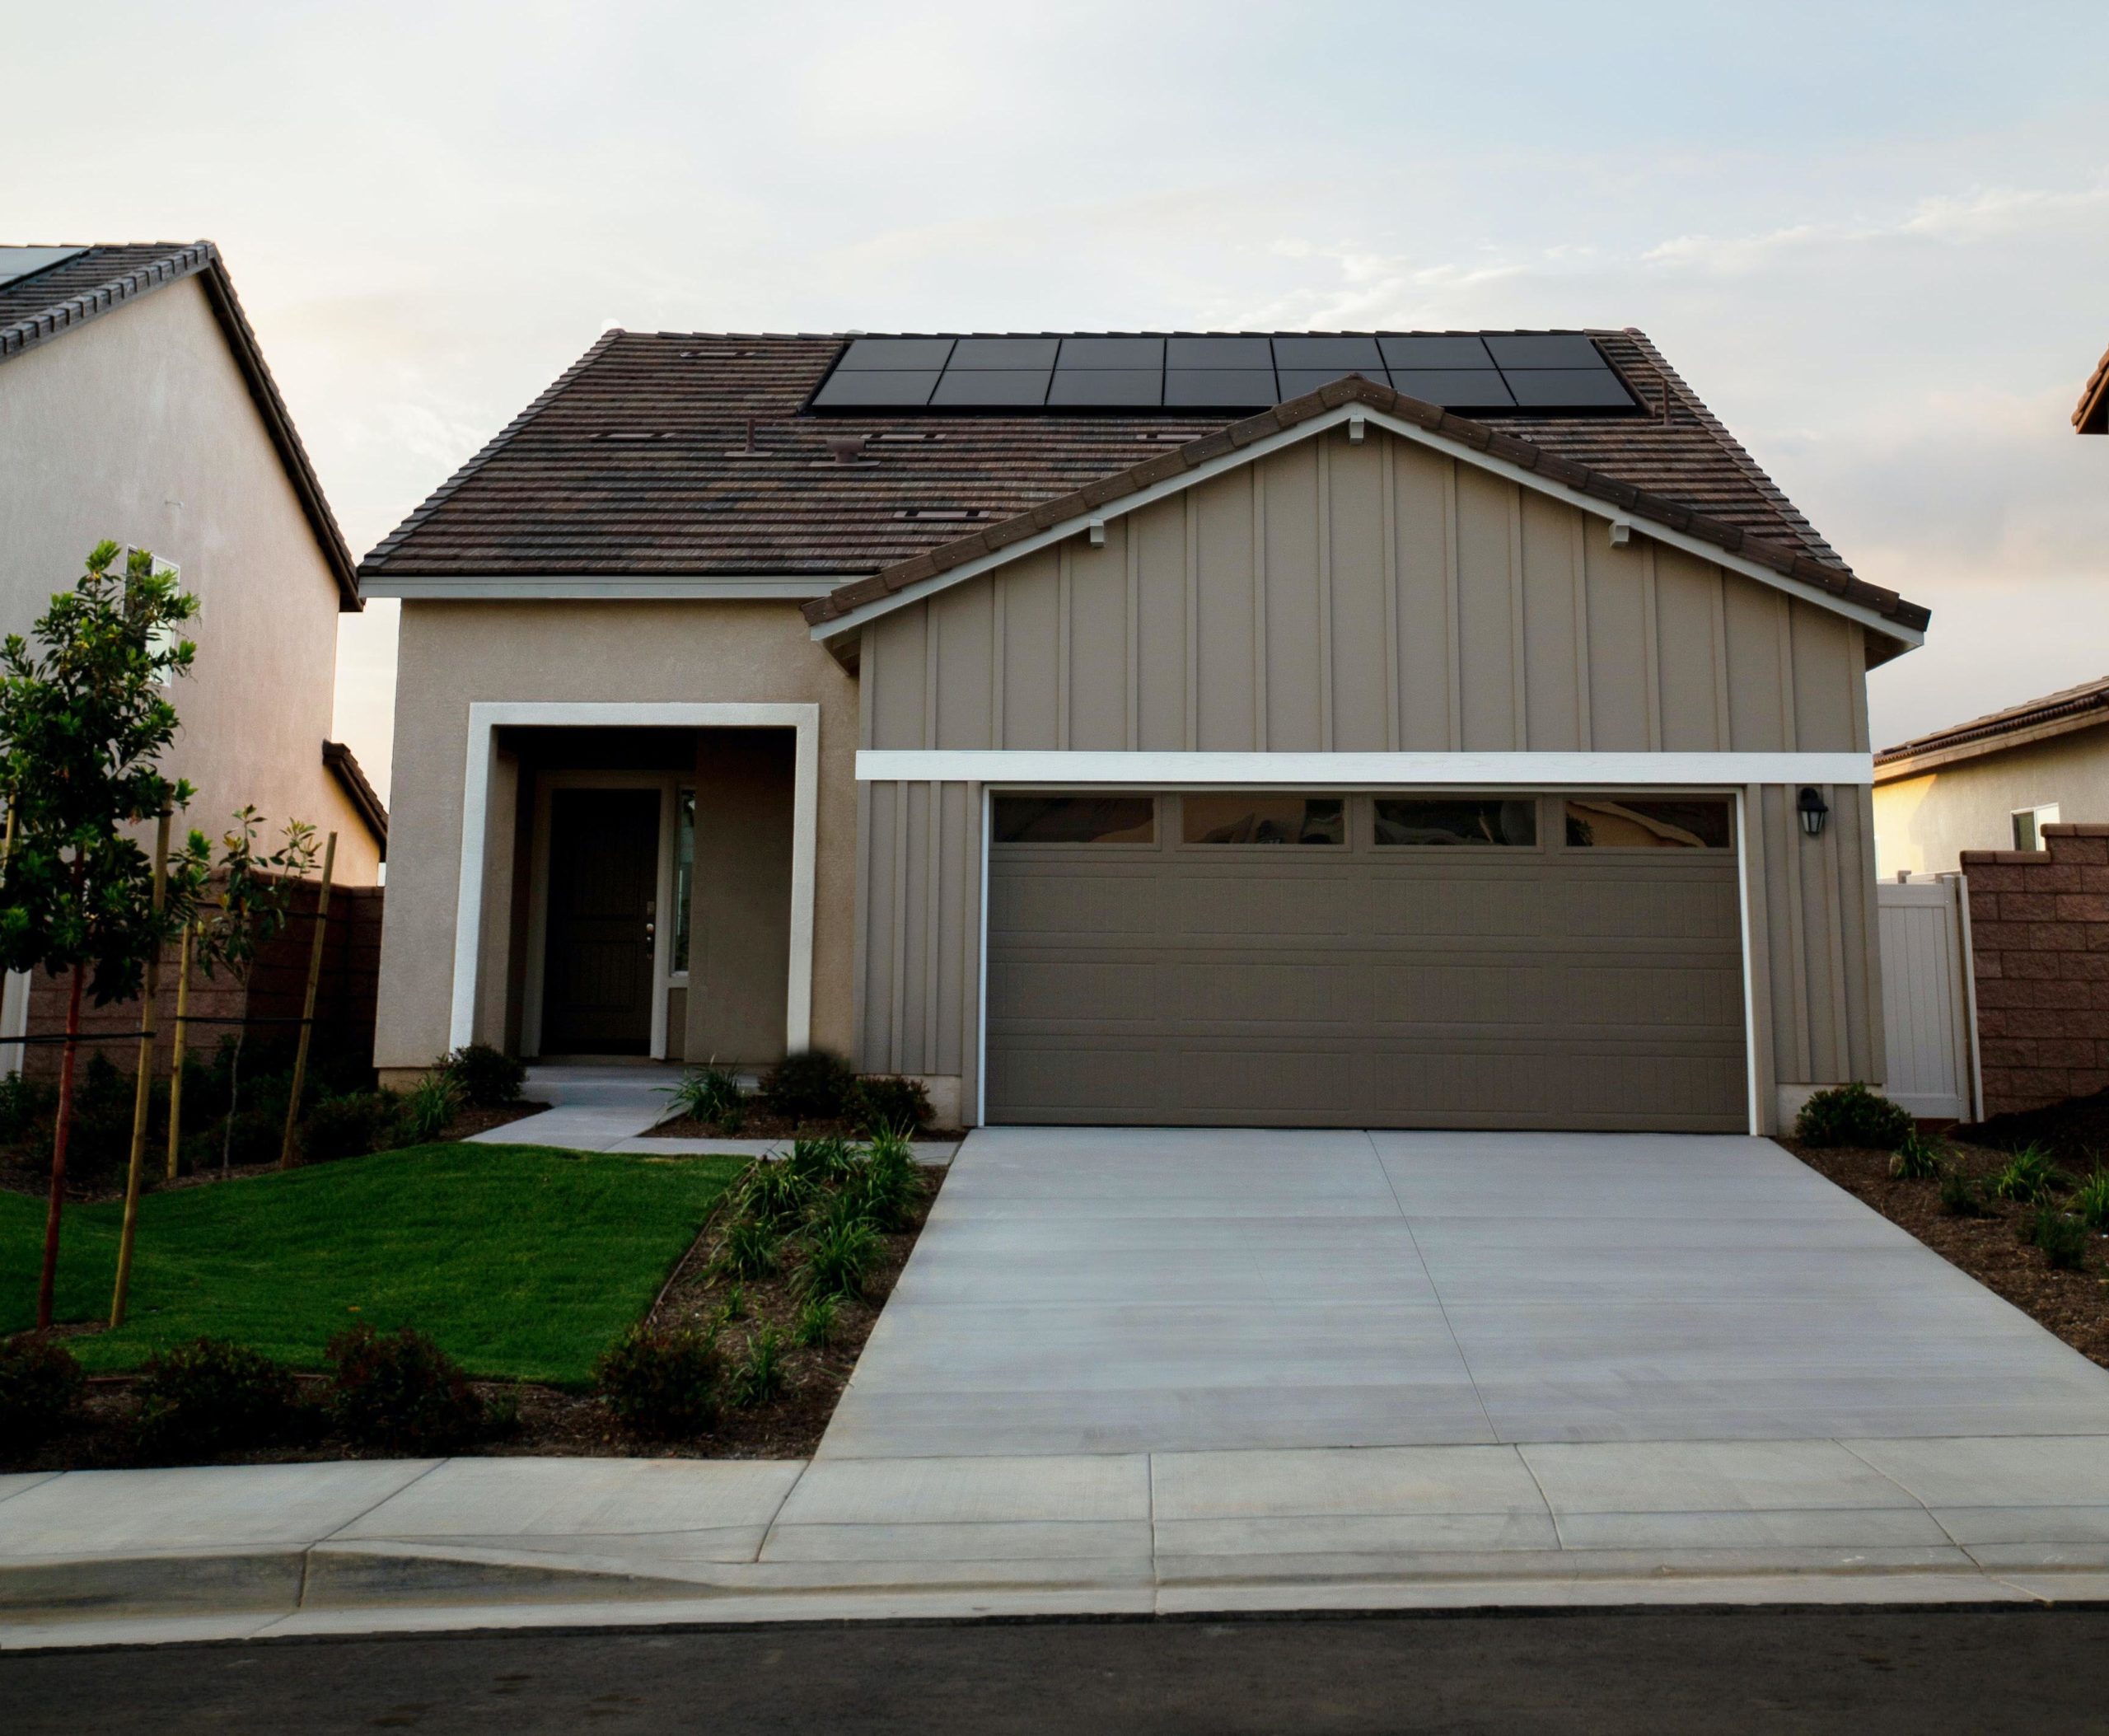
{"points": [[522, 1262]]}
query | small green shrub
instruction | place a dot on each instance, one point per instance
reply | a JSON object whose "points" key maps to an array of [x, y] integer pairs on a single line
{"points": [[710, 1094], [760, 1376], [211, 1397], [661, 1382], [351, 1126], [816, 1321], [486, 1077], [1918, 1158], [774, 1193], [815, 1086], [754, 1248], [890, 1103], [838, 1258], [23, 1104], [2062, 1239], [820, 1164], [399, 1393], [1960, 1196], [734, 1306], [1851, 1115], [885, 1184], [2090, 1201], [40, 1388], [429, 1106], [2029, 1177], [256, 1136]]}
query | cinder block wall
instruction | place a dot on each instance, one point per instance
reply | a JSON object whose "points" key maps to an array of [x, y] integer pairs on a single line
{"points": [[2039, 932]]}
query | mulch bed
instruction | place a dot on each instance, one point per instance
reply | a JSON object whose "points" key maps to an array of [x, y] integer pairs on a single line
{"points": [[553, 1423], [760, 1125], [2073, 1304]]}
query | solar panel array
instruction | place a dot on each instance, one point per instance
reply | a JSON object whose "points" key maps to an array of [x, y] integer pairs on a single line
{"points": [[21, 262], [1484, 373]]}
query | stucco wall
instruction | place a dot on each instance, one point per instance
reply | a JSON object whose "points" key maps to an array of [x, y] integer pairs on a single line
{"points": [[453, 654], [1925, 823], [139, 427]]}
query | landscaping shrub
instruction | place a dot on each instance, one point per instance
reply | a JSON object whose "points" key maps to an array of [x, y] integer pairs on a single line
{"points": [[886, 1102], [1960, 1197], [885, 1184], [24, 1103], [660, 1382], [399, 1393], [1851, 1115], [760, 1376], [486, 1077], [838, 1257], [774, 1193], [815, 1086], [351, 1126], [40, 1388], [754, 1248], [430, 1105], [2090, 1201], [2062, 1239], [819, 1163], [211, 1396], [815, 1323], [2029, 1177], [259, 1138], [711, 1094], [734, 1304], [1918, 1158]]}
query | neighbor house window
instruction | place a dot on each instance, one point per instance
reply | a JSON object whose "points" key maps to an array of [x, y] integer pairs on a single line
{"points": [[1263, 819], [684, 874], [1439, 820], [1076, 819], [1638, 822], [2028, 824]]}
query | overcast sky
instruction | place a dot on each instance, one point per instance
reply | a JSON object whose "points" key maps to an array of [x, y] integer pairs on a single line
{"points": [[1874, 238]]}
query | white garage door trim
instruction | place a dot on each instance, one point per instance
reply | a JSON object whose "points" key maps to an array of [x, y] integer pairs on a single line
{"points": [[1734, 792], [1547, 771]]}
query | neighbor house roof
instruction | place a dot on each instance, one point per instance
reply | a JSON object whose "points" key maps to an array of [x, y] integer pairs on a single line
{"points": [[2091, 416], [43, 305], [663, 456], [1533, 454], [351, 778], [2034, 720]]}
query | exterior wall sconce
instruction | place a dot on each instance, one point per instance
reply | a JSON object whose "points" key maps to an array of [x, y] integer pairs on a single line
{"points": [[1813, 809]]}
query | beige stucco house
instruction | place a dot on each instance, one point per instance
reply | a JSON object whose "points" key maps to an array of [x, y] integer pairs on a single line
{"points": [[1391, 729], [135, 406]]}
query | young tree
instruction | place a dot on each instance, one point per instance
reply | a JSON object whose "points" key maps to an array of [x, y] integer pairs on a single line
{"points": [[83, 720]]}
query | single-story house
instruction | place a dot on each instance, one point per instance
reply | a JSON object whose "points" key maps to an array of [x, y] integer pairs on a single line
{"points": [[1401, 729], [1993, 782]]}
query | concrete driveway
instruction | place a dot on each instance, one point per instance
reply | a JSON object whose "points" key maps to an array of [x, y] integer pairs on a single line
{"points": [[1119, 1291]]}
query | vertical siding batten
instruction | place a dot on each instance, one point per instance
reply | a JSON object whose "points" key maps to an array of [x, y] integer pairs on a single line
{"points": [[1723, 729], [1585, 739], [1259, 506], [999, 655], [1453, 605], [1064, 574], [1328, 700], [1132, 554], [1190, 579], [1519, 660], [1651, 659], [934, 895], [1388, 504]]}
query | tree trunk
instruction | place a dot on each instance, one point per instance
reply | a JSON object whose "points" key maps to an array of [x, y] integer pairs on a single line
{"points": [[48, 1283], [234, 1092]]}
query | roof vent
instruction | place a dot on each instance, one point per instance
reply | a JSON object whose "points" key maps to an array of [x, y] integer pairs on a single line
{"points": [[900, 438], [943, 515], [748, 449], [630, 436], [848, 450]]}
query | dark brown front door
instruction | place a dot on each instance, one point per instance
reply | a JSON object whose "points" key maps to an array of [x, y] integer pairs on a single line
{"points": [[597, 958]]}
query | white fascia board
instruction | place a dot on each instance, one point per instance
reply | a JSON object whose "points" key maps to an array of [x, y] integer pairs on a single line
{"points": [[1606, 511], [1117, 769], [622, 588]]}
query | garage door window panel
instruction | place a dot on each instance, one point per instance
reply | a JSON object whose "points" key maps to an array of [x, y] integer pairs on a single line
{"points": [[1264, 819], [1636, 822], [1492, 822], [1081, 819]]}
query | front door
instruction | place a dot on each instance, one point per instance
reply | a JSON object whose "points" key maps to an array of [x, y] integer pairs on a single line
{"points": [[598, 953]]}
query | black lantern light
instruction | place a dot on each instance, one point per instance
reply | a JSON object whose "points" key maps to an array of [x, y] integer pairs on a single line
{"points": [[1813, 809]]}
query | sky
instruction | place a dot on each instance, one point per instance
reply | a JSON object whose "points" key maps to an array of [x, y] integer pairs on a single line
{"points": [[1874, 238]]}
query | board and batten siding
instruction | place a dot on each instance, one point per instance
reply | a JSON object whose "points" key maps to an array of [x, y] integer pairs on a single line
{"points": [[1340, 596]]}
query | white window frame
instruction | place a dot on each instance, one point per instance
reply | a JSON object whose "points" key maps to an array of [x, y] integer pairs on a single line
{"points": [[2042, 815]]}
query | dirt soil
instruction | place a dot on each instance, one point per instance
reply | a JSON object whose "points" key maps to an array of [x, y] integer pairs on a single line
{"points": [[2073, 1304], [760, 1125], [2076, 1131], [553, 1423]]}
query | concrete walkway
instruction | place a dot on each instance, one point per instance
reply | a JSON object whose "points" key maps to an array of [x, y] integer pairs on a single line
{"points": [[1091, 1290]]}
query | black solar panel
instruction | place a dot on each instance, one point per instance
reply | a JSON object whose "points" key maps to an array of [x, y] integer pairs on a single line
{"points": [[1479, 373]]}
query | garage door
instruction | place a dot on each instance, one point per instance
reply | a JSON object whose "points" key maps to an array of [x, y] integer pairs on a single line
{"points": [[1311, 959]]}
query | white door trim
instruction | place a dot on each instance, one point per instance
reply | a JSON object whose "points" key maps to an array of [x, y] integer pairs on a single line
{"points": [[1361, 771], [486, 716]]}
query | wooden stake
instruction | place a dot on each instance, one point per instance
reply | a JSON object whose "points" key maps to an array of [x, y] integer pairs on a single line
{"points": [[176, 1076], [307, 1010], [143, 1094]]}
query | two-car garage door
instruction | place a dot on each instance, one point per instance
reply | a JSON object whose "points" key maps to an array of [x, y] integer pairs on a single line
{"points": [[1409, 960]]}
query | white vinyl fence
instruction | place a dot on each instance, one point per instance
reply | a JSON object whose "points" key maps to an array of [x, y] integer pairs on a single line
{"points": [[1928, 999]]}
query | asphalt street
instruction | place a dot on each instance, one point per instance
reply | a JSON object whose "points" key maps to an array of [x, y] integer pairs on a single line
{"points": [[1691, 1671]]}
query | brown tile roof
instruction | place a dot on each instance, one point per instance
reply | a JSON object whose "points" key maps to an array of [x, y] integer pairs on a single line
{"points": [[2054, 714], [634, 462], [351, 778], [1504, 441], [2091, 414], [48, 304]]}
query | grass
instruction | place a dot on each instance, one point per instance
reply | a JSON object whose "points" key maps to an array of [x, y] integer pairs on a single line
{"points": [[523, 1263]]}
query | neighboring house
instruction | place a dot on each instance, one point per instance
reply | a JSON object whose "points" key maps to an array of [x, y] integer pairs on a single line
{"points": [[1478, 741], [135, 406], [2091, 414], [1994, 783]]}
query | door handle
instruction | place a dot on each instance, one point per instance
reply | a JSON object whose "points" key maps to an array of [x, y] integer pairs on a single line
{"points": [[650, 930]]}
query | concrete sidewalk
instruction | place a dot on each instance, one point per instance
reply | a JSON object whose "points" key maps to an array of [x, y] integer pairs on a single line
{"points": [[140, 1556]]}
